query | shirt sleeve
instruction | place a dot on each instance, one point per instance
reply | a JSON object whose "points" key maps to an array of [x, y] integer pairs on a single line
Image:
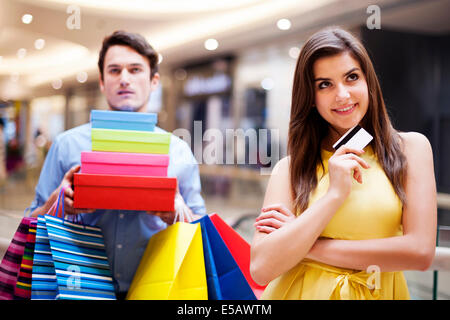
{"points": [[189, 183], [50, 178]]}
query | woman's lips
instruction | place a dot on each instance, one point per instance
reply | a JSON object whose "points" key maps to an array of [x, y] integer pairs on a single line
{"points": [[346, 109]]}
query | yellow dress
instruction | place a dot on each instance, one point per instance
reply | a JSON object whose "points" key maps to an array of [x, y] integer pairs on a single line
{"points": [[371, 211]]}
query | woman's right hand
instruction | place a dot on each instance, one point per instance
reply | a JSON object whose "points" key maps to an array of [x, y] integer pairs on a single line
{"points": [[344, 166]]}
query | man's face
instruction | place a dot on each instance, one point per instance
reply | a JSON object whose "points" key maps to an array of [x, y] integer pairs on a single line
{"points": [[126, 79]]}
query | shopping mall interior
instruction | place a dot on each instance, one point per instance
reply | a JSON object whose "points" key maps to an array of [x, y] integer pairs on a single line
{"points": [[223, 65]]}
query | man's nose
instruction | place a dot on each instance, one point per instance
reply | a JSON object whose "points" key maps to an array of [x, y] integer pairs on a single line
{"points": [[342, 93], [124, 78]]}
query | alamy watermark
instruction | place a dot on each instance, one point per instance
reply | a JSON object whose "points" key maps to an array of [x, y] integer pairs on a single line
{"points": [[374, 280], [374, 20], [74, 279], [233, 146], [73, 22]]}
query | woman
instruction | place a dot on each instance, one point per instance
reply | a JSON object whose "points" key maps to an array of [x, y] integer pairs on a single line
{"points": [[343, 224]]}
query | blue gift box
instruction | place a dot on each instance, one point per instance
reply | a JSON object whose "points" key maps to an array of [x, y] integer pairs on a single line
{"points": [[122, 120]]}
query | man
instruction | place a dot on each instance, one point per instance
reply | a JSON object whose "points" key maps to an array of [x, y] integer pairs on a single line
{"points": [[128, 68]]}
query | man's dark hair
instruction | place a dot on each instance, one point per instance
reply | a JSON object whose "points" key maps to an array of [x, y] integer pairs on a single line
{"points": [[134, 41]]}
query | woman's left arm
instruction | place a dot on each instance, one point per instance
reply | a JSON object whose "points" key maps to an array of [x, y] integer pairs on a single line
{"points": [[415, 249]]}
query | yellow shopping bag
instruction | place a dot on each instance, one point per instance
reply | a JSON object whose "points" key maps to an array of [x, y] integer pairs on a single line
{"points": [[172, 266]]}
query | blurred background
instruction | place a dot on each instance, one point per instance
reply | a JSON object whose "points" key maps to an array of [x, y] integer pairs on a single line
{"points": [[228, 64]]}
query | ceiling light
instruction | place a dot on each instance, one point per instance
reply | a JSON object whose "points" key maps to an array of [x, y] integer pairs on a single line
{"points": [[57, 84], [27, 18], [82, 76], [39, 44], [294, 52], [211, 44], [267, 84], [21, 53], [284, 24]]}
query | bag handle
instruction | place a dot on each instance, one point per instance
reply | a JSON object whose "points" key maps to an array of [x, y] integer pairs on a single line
{"points": [[54, 210], [181, 212], [61, 193]]}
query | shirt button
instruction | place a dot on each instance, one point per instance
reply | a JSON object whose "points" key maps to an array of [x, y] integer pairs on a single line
{"points": [[117, 275], [121, 215], [119, 246]]}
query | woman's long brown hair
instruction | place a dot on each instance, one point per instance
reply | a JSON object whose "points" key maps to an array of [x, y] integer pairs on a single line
{"points": [[307, 128]]}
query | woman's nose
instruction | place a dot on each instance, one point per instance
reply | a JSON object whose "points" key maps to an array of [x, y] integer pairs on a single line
{"points": [[342, 93]]}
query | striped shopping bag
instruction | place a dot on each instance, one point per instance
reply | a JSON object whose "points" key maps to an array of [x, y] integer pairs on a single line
{"points": [[80, 261], [43, 280], [10, 265], [23, 284], [70, 260]]}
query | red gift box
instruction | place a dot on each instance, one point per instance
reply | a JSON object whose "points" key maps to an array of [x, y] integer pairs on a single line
{"points": [[101, 191]]}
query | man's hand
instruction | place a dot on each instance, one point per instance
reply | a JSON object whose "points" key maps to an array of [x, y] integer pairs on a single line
{"points": [[67, 183], [185, 214]]}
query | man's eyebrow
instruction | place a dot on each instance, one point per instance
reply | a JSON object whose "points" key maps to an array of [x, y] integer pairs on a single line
{"points": [[115, 65], [345, 74]]}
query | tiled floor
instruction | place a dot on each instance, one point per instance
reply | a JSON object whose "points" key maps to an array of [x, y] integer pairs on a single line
{"points": [[18, 193]]}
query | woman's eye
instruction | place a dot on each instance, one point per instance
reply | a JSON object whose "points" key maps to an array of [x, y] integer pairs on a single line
{"points": [[353, 77], [324, 84]]}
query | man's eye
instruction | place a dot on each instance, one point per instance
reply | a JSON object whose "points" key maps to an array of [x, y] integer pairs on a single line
{"points": [[324, 84], [114, 70], [353, 77], [135, 70]]}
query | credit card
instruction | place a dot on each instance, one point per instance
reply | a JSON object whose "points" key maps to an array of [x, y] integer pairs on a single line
{"points": [[355, 138]]}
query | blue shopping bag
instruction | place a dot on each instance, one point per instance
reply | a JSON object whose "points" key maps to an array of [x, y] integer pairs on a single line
{"points": [[76, 255], [43, 277], [224, 277]]}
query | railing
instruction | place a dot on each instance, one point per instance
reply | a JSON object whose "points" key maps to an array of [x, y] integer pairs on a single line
{"points": [[441, 260]]}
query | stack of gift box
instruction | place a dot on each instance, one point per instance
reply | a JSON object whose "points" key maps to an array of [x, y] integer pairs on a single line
{"points": [[127, 167]]}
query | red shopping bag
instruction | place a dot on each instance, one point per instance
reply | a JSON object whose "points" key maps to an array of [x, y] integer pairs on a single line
{"points": [[240, 250]]}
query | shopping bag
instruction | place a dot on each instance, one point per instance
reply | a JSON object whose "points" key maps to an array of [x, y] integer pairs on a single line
{"points": [[172, 267], [224, 277], [80, 261], [43, 279], [240, 250], [22, 290], [10, 265], [71, 260]]}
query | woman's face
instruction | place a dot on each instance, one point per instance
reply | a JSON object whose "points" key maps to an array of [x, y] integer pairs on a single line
{"points": [[341, 93]]}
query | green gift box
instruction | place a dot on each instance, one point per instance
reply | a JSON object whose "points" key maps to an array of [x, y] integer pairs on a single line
{"points": [[130, 141]]}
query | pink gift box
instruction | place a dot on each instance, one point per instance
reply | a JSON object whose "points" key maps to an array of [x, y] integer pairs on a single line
{"points": [[130, 164]]}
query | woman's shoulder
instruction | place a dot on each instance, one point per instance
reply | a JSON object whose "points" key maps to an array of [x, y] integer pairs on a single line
{"points": [[416, 146], [413, 141], [282, 164]]}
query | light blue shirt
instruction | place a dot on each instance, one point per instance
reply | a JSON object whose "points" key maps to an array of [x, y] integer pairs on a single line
{"points": [[126, 233]]}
